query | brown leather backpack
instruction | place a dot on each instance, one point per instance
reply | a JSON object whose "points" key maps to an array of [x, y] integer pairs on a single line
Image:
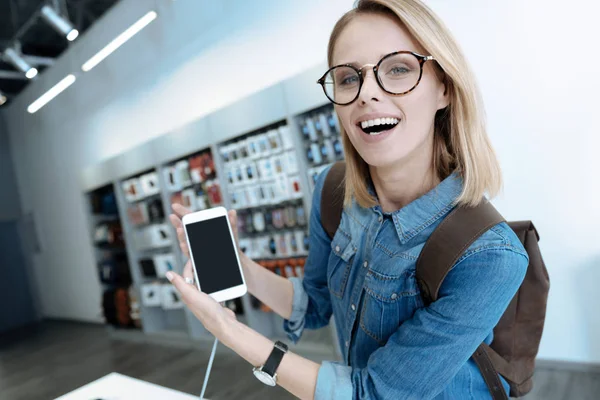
{"points": [[518, 333]]}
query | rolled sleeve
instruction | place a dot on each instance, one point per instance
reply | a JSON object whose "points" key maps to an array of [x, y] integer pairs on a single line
{"points": [[295, 325], [334, 382]]}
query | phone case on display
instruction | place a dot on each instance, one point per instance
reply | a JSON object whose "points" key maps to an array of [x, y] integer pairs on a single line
{"points": [[305, 242], [289, 216], [132, 189], [213, 190], [251, 172], [151, 294], [170, 298], [263, 198], [300, 215], [253, 149], [149, 183], [263, 145], [208, 163], [278, 163], [172, 179], [258, 221], [239, 173], [289, 271], [272, 246], [268, 218], [324, 124], [234, 151], [138, 214], [274, 141], [290, 162], [333, 123], [282, 248], [196, 169], [225, 154], [283, 189], [252, 196], [287, 141], [159, 235], [277, 215], [164, 263], [148, 268], [189, 199], [300, 269], [295, 190], [338, 148], [266, 170], [318, 126], [312, 131], [328, 151], [201, 201], [316, 153], [309, 155], [273, 193], [243, 149], [156, 212], [299, 240], [290, 243], [183, 172]]}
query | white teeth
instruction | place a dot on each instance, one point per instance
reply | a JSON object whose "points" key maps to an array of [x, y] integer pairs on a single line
{"points": [[377, 121], [364, 124], [371, 123]]}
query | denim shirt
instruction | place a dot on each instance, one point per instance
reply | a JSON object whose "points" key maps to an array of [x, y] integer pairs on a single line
{"points": [[393, 347]]}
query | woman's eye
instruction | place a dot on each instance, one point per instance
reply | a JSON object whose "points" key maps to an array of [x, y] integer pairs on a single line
{"points": [[399, 70], [348, 80]]}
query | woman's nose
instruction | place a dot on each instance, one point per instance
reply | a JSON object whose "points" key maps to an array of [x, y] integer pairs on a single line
{"points": [[370, 90]]}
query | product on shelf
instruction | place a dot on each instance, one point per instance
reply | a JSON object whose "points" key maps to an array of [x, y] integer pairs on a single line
{"points": [[116, 307], [138, 213], [109, 234], [132, 189], [115, 271], [151, 294], [164, 263], [170, 299], [149, 184], [148, 268]]}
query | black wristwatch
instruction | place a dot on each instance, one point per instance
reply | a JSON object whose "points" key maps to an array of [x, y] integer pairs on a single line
{"points": [[267, 372]]}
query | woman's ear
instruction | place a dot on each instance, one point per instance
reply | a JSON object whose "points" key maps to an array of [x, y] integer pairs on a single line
{"points": [[443, 94]]}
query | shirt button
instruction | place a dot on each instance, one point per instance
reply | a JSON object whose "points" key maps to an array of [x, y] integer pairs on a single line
{"points": [[353, 307], [347, 343], [380, 218], [394, 296], [365, 264], [337, 249]]}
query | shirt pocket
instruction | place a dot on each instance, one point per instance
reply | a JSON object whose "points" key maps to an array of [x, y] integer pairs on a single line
{"points": [[388, 301], [340, 261]]}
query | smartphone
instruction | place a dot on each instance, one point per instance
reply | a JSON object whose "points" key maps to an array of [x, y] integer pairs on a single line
{"points": [[213, 253]]}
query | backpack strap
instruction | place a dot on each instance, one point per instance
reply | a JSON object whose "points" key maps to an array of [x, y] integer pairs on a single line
{"points": [[332, 198], [446, 244]]}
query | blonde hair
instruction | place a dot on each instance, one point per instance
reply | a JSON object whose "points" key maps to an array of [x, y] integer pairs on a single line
{"points": [[461, 142]]}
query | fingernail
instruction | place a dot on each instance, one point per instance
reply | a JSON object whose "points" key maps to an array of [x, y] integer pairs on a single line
{"points": [[169, 276]]}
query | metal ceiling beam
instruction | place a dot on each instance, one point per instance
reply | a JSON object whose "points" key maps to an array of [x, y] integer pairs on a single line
{"points": [[36, 60], [12, 75]]}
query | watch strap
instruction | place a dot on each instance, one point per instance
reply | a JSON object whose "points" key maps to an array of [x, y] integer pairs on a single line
{"points": [[275, 358]]}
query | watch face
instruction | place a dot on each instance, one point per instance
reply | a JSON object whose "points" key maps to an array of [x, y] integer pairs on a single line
{"points": [[264, 377]]}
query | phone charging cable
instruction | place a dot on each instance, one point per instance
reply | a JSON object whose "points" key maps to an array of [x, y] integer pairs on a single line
{"points": [[210, 363]]}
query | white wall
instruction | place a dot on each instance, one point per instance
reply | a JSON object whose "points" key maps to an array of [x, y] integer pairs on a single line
{"points": [[534, 59]]}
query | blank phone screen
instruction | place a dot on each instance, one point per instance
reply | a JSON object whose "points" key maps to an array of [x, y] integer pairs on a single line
{"points": [[214, 255]]}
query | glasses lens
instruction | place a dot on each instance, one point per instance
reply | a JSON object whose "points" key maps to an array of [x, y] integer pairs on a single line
{"points": [[342, 84], [399, 73]]}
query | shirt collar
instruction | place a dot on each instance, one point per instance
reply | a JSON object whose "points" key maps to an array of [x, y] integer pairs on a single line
{"points": [[427, 209]]}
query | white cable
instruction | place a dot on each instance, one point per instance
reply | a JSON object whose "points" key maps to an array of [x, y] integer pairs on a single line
{"points": [[210, 362]]}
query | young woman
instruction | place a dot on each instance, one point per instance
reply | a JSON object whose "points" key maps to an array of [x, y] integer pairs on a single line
{"points": [[416, 147]]}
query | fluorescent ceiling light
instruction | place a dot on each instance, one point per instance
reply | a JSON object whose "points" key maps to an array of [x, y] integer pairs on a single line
{"points": [[51, 94], [119, 40], [19, 63], [59, 23], [3, 98], [31, 73]]}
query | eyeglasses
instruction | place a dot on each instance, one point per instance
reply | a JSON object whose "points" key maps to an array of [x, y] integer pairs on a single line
{"points": [[397, 73]]}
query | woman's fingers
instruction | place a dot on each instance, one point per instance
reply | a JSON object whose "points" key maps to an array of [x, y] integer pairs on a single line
{"points": [[180, 210], [233, 221]]}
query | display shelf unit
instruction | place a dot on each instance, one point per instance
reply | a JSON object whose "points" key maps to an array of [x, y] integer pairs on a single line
{"points": [[276, 116]]}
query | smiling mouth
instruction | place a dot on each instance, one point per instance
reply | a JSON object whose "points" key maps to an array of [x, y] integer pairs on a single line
{"points": [[377, 126]]}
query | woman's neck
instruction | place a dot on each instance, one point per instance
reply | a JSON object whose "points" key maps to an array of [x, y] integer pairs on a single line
{"points": [[398, 185]]}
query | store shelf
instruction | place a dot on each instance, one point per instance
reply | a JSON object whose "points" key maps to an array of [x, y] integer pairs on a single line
{"points": [[203, 141]]}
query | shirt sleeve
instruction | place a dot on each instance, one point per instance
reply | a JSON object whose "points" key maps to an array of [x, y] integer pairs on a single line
{"points": [[426, 352], [311, 306]]}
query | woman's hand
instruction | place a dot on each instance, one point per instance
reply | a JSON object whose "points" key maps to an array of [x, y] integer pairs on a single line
{"points": [[215, 318]]}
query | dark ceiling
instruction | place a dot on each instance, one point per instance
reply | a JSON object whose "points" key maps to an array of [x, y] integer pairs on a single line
{"points": [[40, 39]]}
